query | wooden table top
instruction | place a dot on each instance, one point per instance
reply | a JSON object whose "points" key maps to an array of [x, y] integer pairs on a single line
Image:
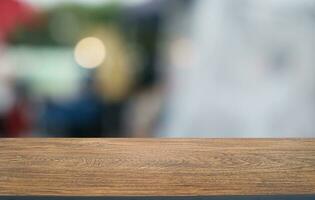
{"points": [[156, 167]]}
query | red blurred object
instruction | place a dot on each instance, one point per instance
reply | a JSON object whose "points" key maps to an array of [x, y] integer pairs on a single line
{"points": [[12, 14], [18, 120]]}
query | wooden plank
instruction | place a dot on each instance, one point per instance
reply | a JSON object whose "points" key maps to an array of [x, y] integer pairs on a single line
{"points": [[156, 167], [268, 197]]}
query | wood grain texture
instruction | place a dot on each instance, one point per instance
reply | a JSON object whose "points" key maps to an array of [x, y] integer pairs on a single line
{"points": [[156, 167]]}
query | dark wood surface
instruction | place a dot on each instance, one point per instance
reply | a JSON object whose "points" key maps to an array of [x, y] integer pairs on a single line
{"points": [[154, 167]]}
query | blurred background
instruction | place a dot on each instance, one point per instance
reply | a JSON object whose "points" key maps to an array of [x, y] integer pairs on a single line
{"points": [[157, 68]]}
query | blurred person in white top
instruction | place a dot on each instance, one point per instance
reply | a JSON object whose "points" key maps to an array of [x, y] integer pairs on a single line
{"points": [[240, 68]]}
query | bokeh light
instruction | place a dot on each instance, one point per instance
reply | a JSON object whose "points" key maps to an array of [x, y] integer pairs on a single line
{"points": [[90, 52]]}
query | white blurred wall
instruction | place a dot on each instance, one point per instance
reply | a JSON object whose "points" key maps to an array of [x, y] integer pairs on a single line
{"points": [[240, 68]]}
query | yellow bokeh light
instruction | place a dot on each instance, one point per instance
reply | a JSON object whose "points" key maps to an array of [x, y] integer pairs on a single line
{"points": [[90, 52]]}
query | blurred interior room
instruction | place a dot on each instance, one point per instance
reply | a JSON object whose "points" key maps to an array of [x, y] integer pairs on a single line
{"points": [[157, 68]]}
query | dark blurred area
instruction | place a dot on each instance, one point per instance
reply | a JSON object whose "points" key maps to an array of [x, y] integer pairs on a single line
{"points": [[157, 68]]}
